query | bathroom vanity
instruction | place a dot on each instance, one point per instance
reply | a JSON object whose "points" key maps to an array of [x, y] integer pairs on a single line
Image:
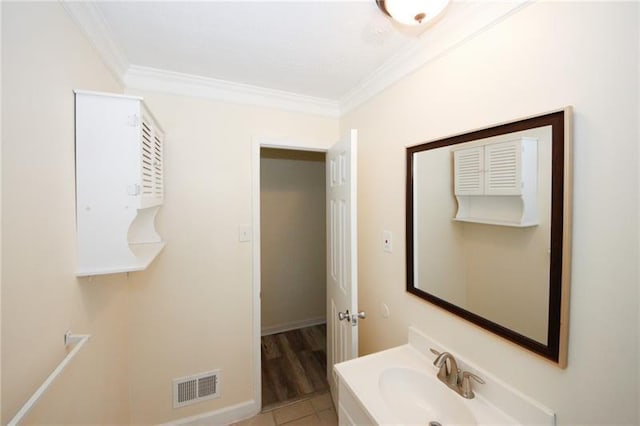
{"points": [[399, 386]]}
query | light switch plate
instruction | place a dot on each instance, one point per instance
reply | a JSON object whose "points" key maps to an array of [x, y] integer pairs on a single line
{"points": [[244, 233], [387, 242]]}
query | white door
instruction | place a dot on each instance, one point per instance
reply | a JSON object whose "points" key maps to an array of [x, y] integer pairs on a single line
{"points": [[342, 256]]}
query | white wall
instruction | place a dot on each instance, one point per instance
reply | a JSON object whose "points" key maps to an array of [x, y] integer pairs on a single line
{"points": [[45, 57], [191, 311], [548, 55], [293, 239]]}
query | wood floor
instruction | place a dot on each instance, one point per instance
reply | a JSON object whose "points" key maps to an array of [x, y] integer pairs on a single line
{"points": [[294, 365]]}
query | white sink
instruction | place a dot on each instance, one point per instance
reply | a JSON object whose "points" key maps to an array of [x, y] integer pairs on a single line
{"points": [[399, 386], [415, 397]]}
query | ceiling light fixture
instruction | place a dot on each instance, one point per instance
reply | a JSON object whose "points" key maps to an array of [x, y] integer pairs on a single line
{"points": [[412, 12]]}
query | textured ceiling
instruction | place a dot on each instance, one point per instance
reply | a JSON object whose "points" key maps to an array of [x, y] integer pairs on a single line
{"points": [[316, 48]]}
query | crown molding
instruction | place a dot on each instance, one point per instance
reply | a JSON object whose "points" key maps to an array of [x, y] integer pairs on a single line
{"points": [[146, 78], [462, 23], [90, 20], [93, 24]]}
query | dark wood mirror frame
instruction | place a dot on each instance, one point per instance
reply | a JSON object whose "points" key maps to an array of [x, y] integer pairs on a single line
{"points": [[560, 241]]}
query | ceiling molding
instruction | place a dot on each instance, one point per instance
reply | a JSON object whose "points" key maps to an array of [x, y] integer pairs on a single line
{"points": [[92, 23], [145, 78], [462, 23]]}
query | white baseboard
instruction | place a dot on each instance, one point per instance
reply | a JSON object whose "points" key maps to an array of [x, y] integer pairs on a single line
{"points": [[280, 328], [223, 416]]}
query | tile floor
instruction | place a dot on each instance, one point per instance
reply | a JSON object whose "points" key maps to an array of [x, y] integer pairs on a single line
{"points": [[315, 411]]}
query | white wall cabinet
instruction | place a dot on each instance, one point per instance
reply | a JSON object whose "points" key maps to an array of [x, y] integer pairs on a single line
{"points": [[119, 183], [496, 183]]}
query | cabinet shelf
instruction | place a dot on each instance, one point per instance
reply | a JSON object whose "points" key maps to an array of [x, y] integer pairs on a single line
{"points": [[497, 222], [144, 254]]}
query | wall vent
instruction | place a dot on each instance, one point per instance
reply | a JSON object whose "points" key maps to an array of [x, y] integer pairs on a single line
{"points": [[197, 388]]}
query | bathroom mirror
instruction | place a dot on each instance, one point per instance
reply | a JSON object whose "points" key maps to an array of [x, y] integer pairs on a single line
{"points": [[488, 229]]}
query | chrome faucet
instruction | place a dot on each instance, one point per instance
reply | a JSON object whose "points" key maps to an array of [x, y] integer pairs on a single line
{"points": [[452, 376], [449, 373]]}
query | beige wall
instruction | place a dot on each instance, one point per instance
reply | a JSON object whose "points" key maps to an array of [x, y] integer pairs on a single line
{"points": [[548, 55], [439, 246], [293, 247], [44, 58], [0, 219], [514, 262], [192, 310]]}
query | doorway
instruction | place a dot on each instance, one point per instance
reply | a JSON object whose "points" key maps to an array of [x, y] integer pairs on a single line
{"points": [[292, 275]]}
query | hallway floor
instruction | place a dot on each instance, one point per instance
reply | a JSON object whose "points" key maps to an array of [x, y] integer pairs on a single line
{"points": [[294, 365], [295, 391]]}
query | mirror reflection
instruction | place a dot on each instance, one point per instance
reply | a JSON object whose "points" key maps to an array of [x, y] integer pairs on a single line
{"points": [[488, 229], [486, 260]]}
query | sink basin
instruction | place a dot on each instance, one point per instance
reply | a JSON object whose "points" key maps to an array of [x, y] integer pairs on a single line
{"points": [[398, 386], [416, 398]]}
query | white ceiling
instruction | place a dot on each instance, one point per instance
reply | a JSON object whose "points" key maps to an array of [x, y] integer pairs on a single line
{"points": [[316, 56], [316, 48]]}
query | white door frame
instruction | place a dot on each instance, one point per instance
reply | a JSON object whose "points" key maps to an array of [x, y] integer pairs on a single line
{"points": [[258, 143]]}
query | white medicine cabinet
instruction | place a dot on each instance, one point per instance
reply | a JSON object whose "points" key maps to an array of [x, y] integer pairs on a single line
{"points": [[496, 183], [119, 183]]}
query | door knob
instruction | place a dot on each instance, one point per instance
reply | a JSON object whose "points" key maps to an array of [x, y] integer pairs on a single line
{"points": [[351, 317], [355, 317], [361, 315], [344, 315]]}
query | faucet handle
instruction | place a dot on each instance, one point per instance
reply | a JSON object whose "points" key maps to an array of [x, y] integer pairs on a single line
{"points": [[433, 351], [466, 389]]}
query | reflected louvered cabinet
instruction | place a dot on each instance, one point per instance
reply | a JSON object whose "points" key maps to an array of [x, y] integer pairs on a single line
{"points": [[468, 176], [496, 183], [119, 183], [503, 168]]}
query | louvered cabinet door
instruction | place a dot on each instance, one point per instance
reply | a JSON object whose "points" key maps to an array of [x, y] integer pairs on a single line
{"points": [[152, 188], [158, 171], [503, 168], [468, 175]]}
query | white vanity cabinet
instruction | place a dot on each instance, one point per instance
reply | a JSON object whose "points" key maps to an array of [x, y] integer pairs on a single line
{"points": [[119, 183], [496, 183], [399, 386], [350, 412]]}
